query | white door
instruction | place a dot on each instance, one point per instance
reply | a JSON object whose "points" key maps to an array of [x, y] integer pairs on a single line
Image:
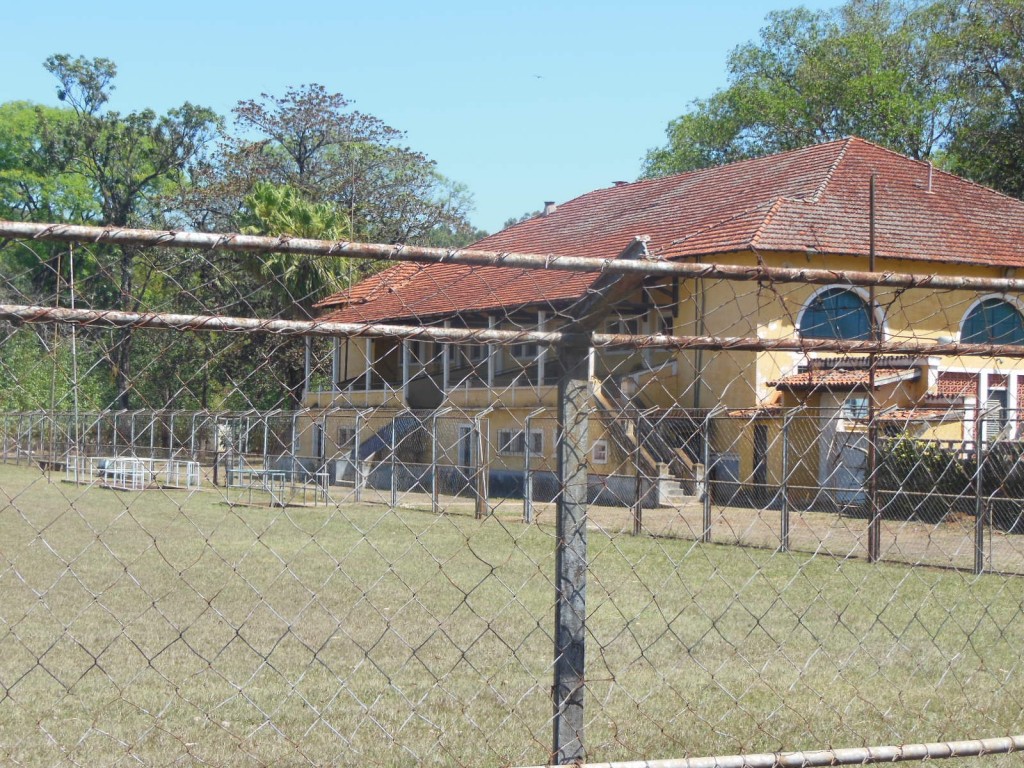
{"points": [[843, 447]]}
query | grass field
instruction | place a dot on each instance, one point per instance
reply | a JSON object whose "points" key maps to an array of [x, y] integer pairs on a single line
{"points": [[166, 628]]}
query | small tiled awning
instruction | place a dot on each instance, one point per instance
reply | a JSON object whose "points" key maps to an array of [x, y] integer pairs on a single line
{"points": [[845, 378], [923, 414], [762, 412]]}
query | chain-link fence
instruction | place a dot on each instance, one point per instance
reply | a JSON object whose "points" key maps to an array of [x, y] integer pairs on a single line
{"points": [[532, 510]]}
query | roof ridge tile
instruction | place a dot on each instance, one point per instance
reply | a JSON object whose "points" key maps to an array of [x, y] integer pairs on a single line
{"points": [[816, 196]]}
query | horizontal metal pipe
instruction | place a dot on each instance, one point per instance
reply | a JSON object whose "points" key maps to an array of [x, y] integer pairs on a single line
{"points": [[103, 318], [829, 757], [12, 230]]}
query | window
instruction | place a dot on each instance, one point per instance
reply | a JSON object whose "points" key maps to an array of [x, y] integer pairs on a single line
{"points": [[473, 353], [995, 416], [318, 441], [665, 323], [625, 325], [512, 442], [856, 407], [599, 452], [525, 351], [421, 351], [836, 313], [993, 321], [346, 437]]}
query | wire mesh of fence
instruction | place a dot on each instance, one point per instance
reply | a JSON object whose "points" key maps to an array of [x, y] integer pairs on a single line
{"points": [[493, 510]]}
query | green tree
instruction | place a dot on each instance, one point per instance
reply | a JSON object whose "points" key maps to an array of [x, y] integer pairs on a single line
{"points": [[989, 43], [313, 141], [129, 162], [879, 69], [295, 281]]}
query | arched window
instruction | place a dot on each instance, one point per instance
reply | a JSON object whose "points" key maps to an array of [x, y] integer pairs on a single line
{"points": [[836, 313], [993, 321]]}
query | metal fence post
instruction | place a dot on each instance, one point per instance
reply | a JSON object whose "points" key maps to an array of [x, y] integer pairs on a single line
{"points": [[394, 461], [638, 480], [480, 469], [705, 535], [574, 402], [979, 501], [527, 480], [357, 465], [435, 506], [784, 522]]}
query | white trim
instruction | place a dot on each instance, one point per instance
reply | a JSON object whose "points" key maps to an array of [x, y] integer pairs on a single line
{"points": [[542, 323], [464, 436], [512, 433], [446, 362], [307, 360], [368, 354], [603, 444], [1013, 301], [492, 323], [406, 365], [1012, 417], [336, 364], [880, 319]]}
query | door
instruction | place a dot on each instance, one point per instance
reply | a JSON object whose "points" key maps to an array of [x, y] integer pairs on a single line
{"points": [[994, 415], [843, 454]]}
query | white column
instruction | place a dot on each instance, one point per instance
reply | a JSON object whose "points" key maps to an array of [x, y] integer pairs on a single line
{"points": [[542, 321], [406, 364], [336, 365], [982, 401], [368, 352], [1012, 405], [970, 418], [492, 321], [446, 358], [308, 361]]}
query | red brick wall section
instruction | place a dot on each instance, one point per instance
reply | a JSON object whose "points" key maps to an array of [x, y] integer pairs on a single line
{"points": [[957, 384]]}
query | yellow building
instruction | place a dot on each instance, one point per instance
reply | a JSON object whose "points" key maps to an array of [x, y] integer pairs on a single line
{"points": [[805, 209]]}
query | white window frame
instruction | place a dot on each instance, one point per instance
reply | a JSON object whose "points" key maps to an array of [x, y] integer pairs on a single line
{"points": [[511, 442], [599, 452]]}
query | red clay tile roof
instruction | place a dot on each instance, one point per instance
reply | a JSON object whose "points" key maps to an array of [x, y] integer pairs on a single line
{"points": [[844, 378], [923, 414], [759, 412], [812, 199]]}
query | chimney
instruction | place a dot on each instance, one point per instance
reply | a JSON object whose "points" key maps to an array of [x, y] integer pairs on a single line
{"points": [[619, 183], [549, 207]]}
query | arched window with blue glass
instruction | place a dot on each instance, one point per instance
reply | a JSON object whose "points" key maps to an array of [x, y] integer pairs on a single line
{"points": [[836, 313], [993, 321]]}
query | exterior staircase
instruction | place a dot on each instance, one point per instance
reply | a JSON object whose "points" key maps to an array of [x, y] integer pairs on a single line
{"points": [[665, 445]]}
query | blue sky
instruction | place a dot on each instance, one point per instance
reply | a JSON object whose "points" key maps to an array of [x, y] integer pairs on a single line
{"points": [[521, 101]]}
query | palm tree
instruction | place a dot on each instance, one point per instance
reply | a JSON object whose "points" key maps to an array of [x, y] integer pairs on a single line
{"points": [[296, 281]]}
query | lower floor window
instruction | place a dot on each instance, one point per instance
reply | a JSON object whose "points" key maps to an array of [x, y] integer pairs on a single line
{"points": [[512, 442]]}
